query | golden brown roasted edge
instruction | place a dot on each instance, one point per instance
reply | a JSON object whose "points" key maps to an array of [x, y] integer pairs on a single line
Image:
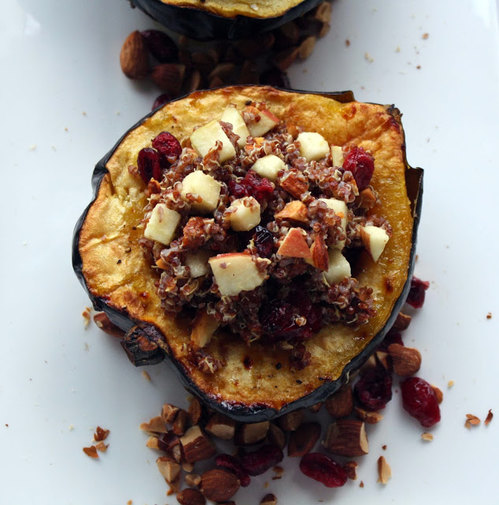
{"points": [[231, 9], [115, 269]]}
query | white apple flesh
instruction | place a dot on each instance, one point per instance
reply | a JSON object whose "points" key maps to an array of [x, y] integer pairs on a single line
{"points": [[205, 138], [162, 224], [339, 268], [201, 186], [313, 146], [236, 272], [244, 213], [233, 116], [269, 166], [374, 239]]}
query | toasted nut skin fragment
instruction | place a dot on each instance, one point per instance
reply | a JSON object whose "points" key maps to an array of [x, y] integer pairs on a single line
{"points": [[303, 439], [347, 437], [196, 446], [340, 404]]}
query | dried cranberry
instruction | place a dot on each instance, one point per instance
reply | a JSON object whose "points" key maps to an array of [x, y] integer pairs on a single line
{"points": [[160, 45], [238, 189], [161, 100], [420, 401], [374, 388], [279, 318], [264, 241], [278, 321], [416, 295], [322, 468], [252, 185], [231, 463], [168, 146], [361, 164], [259, 461], [307, 309], [148, 164]]}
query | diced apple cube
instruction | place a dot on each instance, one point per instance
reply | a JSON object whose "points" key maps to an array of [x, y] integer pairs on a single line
{"points": [[244, 213], [374, 239], [269, 166], [236, 272], [202, 186], [295, 245], [233, 116], [203, 329], [162, 224], [205, 137], [337, 155], [341, 210], [197, 261], [263, 123], [313, 146], [338, 269]]}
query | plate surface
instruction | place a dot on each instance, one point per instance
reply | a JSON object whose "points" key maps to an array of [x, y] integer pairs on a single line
{"points": [[65, 103]]}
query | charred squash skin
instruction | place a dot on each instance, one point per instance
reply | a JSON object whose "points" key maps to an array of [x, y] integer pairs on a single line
{"points": [[223, 19], [111, 266]]}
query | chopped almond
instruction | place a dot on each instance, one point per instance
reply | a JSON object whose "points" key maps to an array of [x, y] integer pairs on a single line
{"points": [[295, 245], [295, 211]]}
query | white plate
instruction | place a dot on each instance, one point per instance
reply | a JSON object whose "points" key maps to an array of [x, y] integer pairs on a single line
{"points": [[65, 103]]}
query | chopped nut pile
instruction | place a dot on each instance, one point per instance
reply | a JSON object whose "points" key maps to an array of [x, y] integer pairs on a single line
{"points": [[93, 450]]}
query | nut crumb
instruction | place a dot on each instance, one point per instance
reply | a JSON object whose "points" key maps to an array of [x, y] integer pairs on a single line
{"points": [[101, 446], [368, 57], [425, 36], [471, 420], [87, 316], [146, 375], [384, 470], [278, 472], [100, 434], [450, 384], [438, 394], [347, 42], [489, 417], [489, 315], [351, 469], [129, 502], [383, 447], [428, 437], [361, 483], [91, 451]]}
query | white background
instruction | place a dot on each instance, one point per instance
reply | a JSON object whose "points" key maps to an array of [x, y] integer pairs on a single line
{"points": [[64, 102]]}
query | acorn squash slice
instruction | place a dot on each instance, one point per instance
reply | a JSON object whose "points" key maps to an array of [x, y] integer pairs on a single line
{"points": [[224, 19], [255, 382]]}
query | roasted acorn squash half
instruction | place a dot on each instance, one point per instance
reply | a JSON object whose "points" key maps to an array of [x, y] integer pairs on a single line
{"points": [[224, 19], [255, 381]]}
